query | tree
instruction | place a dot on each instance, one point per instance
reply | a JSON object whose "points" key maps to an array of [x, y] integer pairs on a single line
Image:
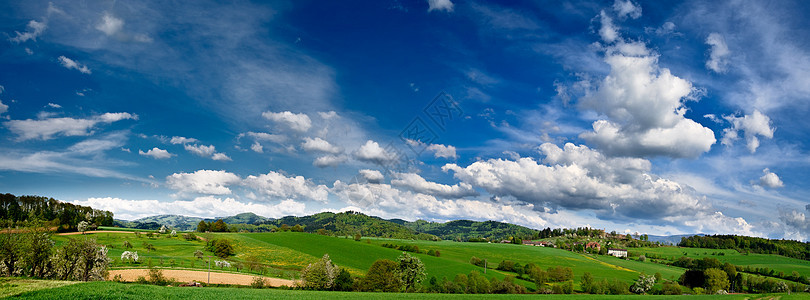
{"points": [[716, 279], [127, 245], [320, 275], [643, 284], [163, 229], [38, 250], [11, 251], [221, 247], [82, 226], [219, 226], [382, 277], [344, 281], [411, 270], [202, 226], [199, 254]]}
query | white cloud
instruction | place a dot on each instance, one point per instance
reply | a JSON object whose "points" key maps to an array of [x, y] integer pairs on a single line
{"points": [[751, 125], [580, 178], [205, 207], [627, 8], [321, 145], [45, 129], [797, 220], [206, 151], [328, 115], [263, 137], [209, 182], [445, 5], [644, 104], [770, 179], [666, 29], [277, 185], [439, 150], [298, 122], [3, 108], [607, 31], [109, 24], [71, 64], [718, 61], [372, 152], [372, 176], [256, 147], [156, 153], [329, 161], [34, 30], [182, 140], [54, 105], [418, 184]]}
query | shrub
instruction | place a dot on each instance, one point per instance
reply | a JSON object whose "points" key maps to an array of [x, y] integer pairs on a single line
{"points": [[320, 275], [381, 277], [258, 282], [476, 261], [671, 288], [221, 247]]}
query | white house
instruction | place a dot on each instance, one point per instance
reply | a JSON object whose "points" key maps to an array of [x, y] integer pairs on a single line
{"points": [[618, 252]]}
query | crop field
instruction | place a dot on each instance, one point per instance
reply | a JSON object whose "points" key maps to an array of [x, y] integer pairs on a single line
{"points": [[773, 262], [113, 290]]}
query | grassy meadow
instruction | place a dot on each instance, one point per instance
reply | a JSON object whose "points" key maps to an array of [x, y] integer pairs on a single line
{"points": [[773, 262]]}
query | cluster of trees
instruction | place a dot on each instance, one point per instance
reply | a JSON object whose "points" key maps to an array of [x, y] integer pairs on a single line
{"points": [[793, 276], [466, 230], [218, 226], [474, 283], [17, 210], [745, 244], [412, 248], [30, 251], [350, 223], [591, 285], [403, 275], [220, 247], [710, 274]]}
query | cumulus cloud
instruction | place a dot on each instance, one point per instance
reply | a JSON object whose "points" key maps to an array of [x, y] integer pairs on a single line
{"points": [[209, 182], [797, 220], [34, 29], [182, 140], [206, 151], [644, 104], [718, 54], [329, 161], [263, 137], [753, 125], [109, 24], [439, 150], [372, 152], [607, 31], [205, 207], [579, 178], [372, 176], [45, 129], [274, 184], [297, 122], [320, 145], [256, 147], [72, 64], [445, 5], [156, 153], [3, 108], [627, 8], [327, 115], [770, 179], [418, 184]]}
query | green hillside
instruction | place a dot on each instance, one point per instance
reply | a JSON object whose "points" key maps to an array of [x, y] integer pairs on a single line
{"points": [[463, 230], [349, 224]]}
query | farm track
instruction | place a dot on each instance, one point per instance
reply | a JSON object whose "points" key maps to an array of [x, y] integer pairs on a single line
{"points": [[183, 276]]}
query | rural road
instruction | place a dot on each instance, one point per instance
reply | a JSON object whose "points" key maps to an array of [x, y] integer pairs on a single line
{"points": [[184, 276]]}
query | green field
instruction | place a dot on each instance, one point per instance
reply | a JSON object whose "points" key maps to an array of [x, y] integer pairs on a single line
{"points": [[113, 290], [773, 262]]}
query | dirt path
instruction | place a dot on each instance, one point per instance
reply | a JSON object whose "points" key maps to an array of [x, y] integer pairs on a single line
{"points": [[91, 232], [200, 276]]}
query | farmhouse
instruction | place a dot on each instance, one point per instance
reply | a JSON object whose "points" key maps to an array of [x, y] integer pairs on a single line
{"points": [[593, 245], [618, 252]]}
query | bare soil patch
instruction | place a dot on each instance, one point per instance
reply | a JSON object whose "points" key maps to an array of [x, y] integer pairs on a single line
{"points": [[92, 232], [200, 276]]}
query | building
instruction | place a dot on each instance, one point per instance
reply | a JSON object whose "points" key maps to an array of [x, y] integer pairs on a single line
{"points": [[593, 245], [618, 252]]}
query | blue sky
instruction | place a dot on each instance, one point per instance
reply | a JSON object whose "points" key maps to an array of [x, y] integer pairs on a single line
{"points": [[660, 117]]}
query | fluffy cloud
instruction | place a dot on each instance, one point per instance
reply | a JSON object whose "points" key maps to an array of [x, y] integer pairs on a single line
{"points": [[320, 145], [576, 177], [372, 152], [770, 179], [45, 129], [751, 125], [443, 151], [719, 51], [445, 5], [297, 122], [329, 161], [372, 176], [34, 29], [209, 182], [3, 108], [607, 31], [205, 207], [206, 151], [274, 184], [418, 184], [627, 8], [797, 220], [256, 147], [72, 64], [109, 24], [182, 140], [263, 137], [644, 105], [156, 153]]}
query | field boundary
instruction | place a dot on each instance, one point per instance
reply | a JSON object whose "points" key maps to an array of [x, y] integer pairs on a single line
{"points": [[183, 276]]}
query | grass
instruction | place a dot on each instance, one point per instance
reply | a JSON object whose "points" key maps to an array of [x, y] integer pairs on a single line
{"points": [[773, 262], [10, 286], [113, 290]]}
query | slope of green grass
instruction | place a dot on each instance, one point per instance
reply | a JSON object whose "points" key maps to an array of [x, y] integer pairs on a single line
{"points": [[113, 290], [773, 262]]}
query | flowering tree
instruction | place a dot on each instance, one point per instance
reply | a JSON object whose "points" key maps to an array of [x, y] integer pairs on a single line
{"points": [[162, 229], [320, 275], [222, 264], [131, 256], [174, 233], [643, 284], [83, 225]]}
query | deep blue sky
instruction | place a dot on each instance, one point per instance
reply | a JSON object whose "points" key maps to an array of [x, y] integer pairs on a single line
{"points": [[662, 117]]}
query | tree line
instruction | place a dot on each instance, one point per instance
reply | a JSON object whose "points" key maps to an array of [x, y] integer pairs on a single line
{"points": [[745, 244], [19, 210]]}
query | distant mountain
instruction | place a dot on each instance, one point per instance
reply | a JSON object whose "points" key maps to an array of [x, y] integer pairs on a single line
{"points": [[351, 223], [187, 223], [670, 239], [466, 229], [243, 218]]}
